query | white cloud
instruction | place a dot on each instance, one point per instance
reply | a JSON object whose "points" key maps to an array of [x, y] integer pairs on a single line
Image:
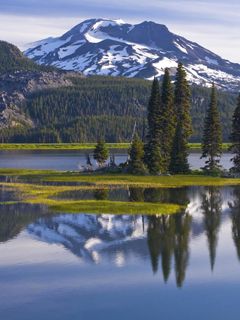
{"points": [[21, 30]]}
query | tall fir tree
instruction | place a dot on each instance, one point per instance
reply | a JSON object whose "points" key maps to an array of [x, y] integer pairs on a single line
{"points": [[136, 153], [168, 120], [179, 155], [152, 156], [212, 136], [235, 138], [101, 153]]}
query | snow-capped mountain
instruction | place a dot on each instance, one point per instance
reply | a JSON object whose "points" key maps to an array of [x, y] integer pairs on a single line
{"points": [[116, 48]]}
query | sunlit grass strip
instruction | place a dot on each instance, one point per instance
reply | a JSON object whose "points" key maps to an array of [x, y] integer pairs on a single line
{"points": [[145, 181], [77, 146], [59, 146], [37, 194], [120, 180], [108, 207], [32, 191], [198, 146]]}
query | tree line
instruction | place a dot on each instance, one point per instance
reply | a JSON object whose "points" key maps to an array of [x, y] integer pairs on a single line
{"points": [[106, 106], [165, 147]]}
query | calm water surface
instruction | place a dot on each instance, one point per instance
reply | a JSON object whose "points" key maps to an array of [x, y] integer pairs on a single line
{"points": [[74, 160], [82, 266]]}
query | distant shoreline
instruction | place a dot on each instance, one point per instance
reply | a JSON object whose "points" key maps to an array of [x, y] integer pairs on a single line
{"points": [[80, 146]]}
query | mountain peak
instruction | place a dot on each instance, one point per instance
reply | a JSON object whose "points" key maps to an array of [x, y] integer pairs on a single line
{"points": [[152, 24], [113, 47]]}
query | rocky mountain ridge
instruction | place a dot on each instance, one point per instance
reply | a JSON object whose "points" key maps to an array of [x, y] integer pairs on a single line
{"points": [[144, 50]]}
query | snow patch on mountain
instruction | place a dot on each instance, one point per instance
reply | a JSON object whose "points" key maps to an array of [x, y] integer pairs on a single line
{"points": [[180, 47], [115, 48]]}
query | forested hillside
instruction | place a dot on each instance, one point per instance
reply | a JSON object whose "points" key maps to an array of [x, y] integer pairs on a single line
{"points": [[103, 106], [11, 59]]}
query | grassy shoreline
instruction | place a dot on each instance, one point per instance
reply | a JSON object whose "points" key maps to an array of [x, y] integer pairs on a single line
{"points": [[117, 180], [44, 195], [29, 185], [79, 146]]}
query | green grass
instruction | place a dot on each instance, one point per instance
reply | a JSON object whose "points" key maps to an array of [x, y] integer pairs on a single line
{"points": [[114, 207], [197, 146], [58, 146], [103, 180], [78, 146], [39, 194], [144, 181], [36, 193]]}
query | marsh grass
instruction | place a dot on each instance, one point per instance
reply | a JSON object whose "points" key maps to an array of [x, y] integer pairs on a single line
{"points": [[79, 146], [103, 180], [38, 194], [59, 146]]}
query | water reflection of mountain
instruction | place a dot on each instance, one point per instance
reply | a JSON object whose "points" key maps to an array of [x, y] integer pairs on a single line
{"points": [[15, 217], [84, 234], [163, 240], [88, 236]]}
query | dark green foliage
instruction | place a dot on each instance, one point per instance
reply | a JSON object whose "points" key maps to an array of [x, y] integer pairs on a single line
{"points": [[136, 153], [11, 59], [179, 154], [101, 152], [235, 138], [152, 155], [108, 107], [168, 120], [212, 136], [182, 101]]}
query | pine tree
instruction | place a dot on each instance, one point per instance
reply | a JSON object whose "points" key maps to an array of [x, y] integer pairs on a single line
{"points": [[168, 120], [179, 155], [101, 153], [235, 138], [212, 136], [152, 156], [136, 153]]}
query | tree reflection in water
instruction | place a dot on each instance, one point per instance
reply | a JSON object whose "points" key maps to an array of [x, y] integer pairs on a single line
{"points": [[235, 216], [212, 209], [169, 236]]}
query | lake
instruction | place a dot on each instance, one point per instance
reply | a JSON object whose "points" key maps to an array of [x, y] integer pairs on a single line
{"points": [[74, 160], [62, 266]]}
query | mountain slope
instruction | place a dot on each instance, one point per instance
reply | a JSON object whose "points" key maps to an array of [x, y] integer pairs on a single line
{"points": [[12, 59], [90, 107], [112, 47], [19, 77]]}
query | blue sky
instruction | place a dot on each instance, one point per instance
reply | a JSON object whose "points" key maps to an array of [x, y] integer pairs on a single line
{"points": [[213, 24]]}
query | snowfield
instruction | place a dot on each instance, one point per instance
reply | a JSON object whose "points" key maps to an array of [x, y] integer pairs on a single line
{"points": [[115, 48]]}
